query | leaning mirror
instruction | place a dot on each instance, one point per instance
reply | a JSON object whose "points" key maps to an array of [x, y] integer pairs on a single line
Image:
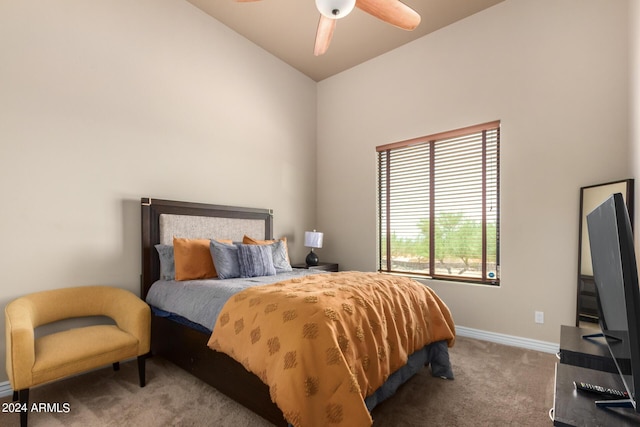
{"points": [[590, 197]]}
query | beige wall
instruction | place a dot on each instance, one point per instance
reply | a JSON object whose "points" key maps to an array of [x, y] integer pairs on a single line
{"points": [[555, 73], [634, 107], [105, 102]]}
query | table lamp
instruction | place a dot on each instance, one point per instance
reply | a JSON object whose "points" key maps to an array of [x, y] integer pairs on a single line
{"points": [[313, 240]]}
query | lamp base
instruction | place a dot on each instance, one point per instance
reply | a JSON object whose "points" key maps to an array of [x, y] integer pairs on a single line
{"points": [[312, 258]]}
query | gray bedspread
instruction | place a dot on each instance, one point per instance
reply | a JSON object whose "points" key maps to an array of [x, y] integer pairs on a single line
{"points": [[200, 301]]}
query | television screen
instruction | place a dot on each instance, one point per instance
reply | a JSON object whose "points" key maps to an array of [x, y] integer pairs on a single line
{"points": [[616, 277]]}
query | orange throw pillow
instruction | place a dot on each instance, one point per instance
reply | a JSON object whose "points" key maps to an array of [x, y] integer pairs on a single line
{"points": [[251, 241], [192, 258]]}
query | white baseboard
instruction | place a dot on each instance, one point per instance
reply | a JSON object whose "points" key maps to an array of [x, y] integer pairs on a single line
{"points": [[5, 389], [544, 346]]}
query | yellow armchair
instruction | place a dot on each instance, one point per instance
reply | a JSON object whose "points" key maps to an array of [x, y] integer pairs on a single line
{"points": [[33, 361]]}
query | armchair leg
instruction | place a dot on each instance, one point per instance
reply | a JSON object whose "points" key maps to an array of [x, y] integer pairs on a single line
{"points": [[116, 366], [24, 405], [141, 369], [15, 395]]}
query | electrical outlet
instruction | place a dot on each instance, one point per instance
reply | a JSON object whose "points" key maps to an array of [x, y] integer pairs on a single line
{"points": [[539, 316]]}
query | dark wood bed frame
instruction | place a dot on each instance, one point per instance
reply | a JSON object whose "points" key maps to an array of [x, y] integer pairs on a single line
{"points": [[187, 347]]}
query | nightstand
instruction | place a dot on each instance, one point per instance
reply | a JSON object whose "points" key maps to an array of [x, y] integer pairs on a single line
{"points": [[324, 266]]}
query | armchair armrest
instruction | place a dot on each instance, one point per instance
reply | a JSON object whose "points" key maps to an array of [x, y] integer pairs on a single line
{"points": [[20, 348], [132, 315]]}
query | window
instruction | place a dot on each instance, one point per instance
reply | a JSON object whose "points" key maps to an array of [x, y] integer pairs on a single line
{"points": [[438, 205]]}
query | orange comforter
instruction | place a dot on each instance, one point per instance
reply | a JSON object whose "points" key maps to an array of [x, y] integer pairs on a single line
{"points": [[324, 342]]}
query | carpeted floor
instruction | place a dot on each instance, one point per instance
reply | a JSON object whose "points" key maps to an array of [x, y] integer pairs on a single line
{"points": [[495, 385]]}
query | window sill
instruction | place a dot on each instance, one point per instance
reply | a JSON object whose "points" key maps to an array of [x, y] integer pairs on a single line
{"points": [[427, 279]]}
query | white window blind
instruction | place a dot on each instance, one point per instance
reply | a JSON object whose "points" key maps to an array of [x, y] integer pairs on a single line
{"points": [[438, 207]]}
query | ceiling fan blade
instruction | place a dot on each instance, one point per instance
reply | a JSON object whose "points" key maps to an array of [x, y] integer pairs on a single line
{"points": [[324, 34], [393, 12]]}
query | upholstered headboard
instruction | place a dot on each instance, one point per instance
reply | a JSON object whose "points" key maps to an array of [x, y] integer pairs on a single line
{"points": [[163, 219]]}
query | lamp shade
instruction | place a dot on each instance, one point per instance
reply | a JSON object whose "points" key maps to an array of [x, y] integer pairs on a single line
{"points": [[313, 239], [335, 9]]}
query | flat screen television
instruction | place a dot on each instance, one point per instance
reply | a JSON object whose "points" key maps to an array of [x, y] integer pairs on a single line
{"points": [[616, 276]]}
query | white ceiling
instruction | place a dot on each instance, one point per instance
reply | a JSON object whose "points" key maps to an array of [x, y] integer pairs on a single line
{"points": [[287, 29]]}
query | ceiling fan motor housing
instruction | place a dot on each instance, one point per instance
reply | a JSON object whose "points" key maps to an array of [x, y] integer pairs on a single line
{"points": [[335, 9]]}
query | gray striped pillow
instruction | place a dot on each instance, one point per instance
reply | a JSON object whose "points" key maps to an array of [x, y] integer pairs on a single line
{"points": [[255, 260]]}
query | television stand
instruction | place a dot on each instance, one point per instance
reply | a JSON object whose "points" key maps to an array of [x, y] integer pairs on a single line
{"points": [[586, 360]]}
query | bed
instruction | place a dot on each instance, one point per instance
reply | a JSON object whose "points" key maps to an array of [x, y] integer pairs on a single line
{"points": [[183, 338]]}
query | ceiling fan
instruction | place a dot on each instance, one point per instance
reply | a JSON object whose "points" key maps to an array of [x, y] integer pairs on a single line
{"points": [[393, 12]]}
